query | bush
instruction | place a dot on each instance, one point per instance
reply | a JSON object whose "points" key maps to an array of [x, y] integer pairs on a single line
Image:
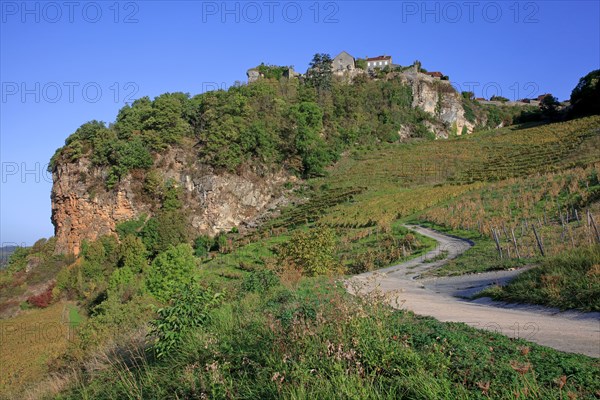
{"points": [[43, 299], [312, 251], [170, 271], [188, 310], [260, 281], [131, 227], [202, 245]]}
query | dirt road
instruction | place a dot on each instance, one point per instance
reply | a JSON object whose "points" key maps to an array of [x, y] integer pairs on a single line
{"points": [[437, 297]]}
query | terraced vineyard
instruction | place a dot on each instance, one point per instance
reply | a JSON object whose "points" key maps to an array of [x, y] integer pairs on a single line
{"points": [[485, 156], [535, 150], [403, 179]]}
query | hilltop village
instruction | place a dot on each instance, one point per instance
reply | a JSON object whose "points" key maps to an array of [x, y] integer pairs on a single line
{"points": [[347, 67]]}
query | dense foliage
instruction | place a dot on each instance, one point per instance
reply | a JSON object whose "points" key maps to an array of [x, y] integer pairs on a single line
{"points": [[170, 271], [585, 97], [313, 252], [189, 309], [303, 124]]}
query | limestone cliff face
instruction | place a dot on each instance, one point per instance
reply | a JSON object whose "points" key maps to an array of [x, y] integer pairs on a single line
{"points": [[440, 99], [82, 208]]}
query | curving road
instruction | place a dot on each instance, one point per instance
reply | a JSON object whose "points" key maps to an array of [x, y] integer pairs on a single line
{"points": [[444, 299]]}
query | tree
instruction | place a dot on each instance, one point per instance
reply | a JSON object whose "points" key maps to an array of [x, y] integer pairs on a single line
{"points": [[549, 106], [132, 254], [168, 228], [167, 119], [132, 118], [468, 95], [320, 72], [170, 271], [312, 149], [585, 97], [499, 98], [361, 63], [202, 245]]}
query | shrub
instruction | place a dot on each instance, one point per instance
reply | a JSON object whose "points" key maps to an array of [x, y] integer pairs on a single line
{"points": [[260, 281], [120, 283], [188, 310], [131, 227], [312, 251], [170, 271], [202, 245], [43, 299], [132, 254]]}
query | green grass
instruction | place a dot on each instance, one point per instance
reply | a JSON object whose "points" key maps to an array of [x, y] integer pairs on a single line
{"points": [[568, 281], [74, 317], [481, 257], [316, 341], [306, 338]]}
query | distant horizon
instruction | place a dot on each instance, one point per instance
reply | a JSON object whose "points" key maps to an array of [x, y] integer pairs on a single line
{"points": [[60, 68]]}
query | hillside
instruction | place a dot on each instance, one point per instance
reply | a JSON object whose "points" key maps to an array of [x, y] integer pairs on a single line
{"points": [[211, 267], [231, 152]]}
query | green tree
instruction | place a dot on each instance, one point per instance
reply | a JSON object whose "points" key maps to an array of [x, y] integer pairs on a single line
{"points": [[549, 106], [167, 119], [361, 63], [132, 119], [499, 98], [468, 95], [120, 283], [585, 97], [168, 228], [202, 245], [312, 149], [272, 71], [170, 271], [133, 254], [320, 72]]}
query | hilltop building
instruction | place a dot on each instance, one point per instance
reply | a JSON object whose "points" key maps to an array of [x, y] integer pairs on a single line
{"points": [[252, 75], [343, 63], [378, 62]]}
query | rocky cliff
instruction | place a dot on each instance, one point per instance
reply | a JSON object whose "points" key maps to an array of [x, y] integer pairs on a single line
{"points": [[82, 208], [440, 99], [214, 200]]}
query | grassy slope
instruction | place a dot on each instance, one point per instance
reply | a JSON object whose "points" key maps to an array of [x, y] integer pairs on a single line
{"points": [[304, 338], [303, 341], [312, 340], [568, 281]]}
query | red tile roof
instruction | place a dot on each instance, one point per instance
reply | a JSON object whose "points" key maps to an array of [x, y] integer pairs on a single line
{"points": [[379, 58], [435, 74]]}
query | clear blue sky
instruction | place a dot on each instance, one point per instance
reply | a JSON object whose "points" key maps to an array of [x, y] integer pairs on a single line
{"points": [[55, 56]]}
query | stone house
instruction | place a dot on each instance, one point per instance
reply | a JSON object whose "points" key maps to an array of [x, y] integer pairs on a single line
{"points": [[343, 63], [252, 75], [378, 62], [435, 74]]}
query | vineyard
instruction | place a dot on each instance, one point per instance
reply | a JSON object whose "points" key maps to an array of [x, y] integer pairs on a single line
{"points": [[522, 192], [539, 215], [513, 215]]}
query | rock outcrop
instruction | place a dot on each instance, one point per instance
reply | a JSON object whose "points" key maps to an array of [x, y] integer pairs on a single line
{"points": [[440, 99], [83, 209], [215, 201]]}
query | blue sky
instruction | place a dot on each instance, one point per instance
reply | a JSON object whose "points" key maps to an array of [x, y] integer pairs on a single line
{"points": [[65, 63]]}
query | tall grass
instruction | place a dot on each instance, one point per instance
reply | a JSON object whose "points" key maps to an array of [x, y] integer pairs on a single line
{"points": [[568, 281], [318, 342]]}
